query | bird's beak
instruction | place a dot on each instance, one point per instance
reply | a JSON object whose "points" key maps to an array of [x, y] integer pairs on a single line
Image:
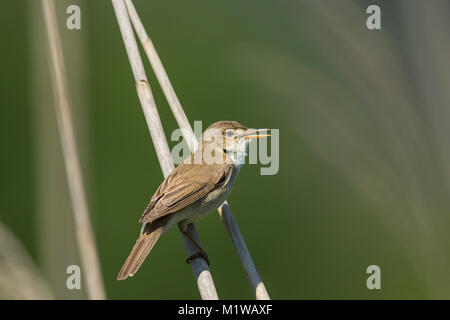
{"points": [[256, 134]]}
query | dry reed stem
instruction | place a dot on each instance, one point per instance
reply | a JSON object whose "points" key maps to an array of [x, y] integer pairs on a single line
{"points": [[225, 212], [200, 269], [84, 233]]}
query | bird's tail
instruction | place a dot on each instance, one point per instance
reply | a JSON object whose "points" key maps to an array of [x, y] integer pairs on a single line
{"points": [[143, 246]]}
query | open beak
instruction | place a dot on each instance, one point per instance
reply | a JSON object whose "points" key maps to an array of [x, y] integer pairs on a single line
{"points": [[256, 134]]}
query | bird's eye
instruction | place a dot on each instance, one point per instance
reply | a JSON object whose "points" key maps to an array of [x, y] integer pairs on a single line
{"points": [[230, 133]]}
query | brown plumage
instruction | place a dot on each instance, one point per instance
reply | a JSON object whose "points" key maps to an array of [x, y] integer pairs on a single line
{"points": [[186, 184], [141, 249], [188, 193]]}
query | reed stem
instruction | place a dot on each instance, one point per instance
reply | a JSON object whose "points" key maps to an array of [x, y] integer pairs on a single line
{"points": [[200, 268], [84, 234], [225, 212]]}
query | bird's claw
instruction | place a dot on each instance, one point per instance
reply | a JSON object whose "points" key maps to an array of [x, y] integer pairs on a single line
{"points": [[200, 254]]}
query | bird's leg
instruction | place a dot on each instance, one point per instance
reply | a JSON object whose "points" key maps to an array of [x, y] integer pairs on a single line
{"points": [[200, 254]]}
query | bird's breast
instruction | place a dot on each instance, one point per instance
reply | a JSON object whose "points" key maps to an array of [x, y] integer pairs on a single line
{"points": [[205, 206], [214, 199]]}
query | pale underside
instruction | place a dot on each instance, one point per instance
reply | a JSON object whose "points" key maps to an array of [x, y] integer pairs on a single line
{"points": [[190, 192]]}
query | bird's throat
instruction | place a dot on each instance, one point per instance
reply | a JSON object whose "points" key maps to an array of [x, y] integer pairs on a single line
{"points": [[238, 154]]}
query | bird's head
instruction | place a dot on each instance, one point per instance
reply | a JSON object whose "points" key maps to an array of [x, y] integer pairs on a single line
{"points": [[232, 137]]}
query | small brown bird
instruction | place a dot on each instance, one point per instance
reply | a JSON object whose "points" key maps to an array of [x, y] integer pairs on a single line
{"points": [[197, 187]]}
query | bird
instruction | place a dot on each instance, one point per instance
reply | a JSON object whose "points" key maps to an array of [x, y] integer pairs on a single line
{"points": [[194, 189]]}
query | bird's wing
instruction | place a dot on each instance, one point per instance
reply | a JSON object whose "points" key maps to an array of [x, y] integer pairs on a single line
{"points": [[187, 184]]}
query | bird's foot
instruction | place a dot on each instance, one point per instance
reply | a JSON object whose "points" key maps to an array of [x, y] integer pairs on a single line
{"points": [[200, 254]]}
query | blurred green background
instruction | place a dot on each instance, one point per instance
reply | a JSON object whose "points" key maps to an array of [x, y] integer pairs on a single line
{"points": [[363, 115]]}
